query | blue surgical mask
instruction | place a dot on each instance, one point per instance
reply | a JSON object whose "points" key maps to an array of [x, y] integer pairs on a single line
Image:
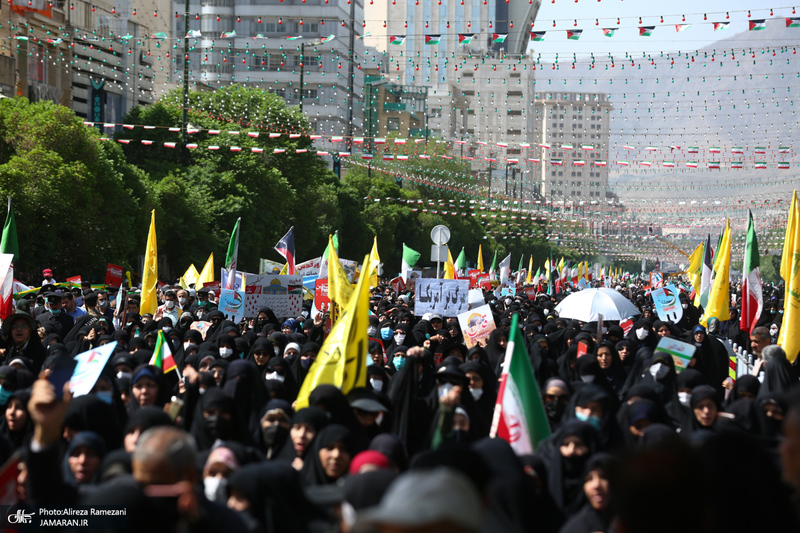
{"points": [[399, 362], [386, 333], [592, 419], [104, 395], [5, 395]]}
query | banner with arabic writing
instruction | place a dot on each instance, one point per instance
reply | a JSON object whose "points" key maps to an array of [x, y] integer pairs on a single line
{"points": [[447, 297]]}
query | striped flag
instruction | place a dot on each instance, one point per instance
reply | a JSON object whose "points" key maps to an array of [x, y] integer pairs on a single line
{"points": [[162, 355], [646, 31], [793, 22], [752, 297], [232, 257], [574, 35], [537, 35], [721, 26], [758, 24], [609, 32], [285, 247]]}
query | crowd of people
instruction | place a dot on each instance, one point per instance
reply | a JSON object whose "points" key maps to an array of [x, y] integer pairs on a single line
{"points": [[217, 445]]}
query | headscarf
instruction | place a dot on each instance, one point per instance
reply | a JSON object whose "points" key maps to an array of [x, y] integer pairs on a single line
{"points": [[313, 473], [565, 474], [91, 440]]}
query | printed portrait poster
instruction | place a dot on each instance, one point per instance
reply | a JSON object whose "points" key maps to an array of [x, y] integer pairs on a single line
{"points": [[477, 325]]}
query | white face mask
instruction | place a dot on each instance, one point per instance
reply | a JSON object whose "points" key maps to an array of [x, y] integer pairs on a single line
{"points": [[166, 329], [641, 333], [186, 345], [182, 301], [277, 350], [587, 379], [275, 376], [773, 331], [399, 338], [685, 306], [169, 304], [214, 487], [377, 384], [225, 352], [685, 398], [372, 331], [476, 393], [658, 371]]}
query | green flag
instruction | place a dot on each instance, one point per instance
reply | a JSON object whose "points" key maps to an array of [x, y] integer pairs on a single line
{"points": [[461, 262], [519, 268], [232, 257], [494, 262], [9, 243]]}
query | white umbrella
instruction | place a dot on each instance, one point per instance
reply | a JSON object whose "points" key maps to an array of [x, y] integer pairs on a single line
{"points": [[585, 305]]}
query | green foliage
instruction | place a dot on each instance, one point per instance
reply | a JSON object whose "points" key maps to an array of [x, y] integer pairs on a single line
{"points": [[770, 268], [77, 203]]}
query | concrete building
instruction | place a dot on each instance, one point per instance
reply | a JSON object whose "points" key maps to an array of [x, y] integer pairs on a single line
{"points": [[576, 127], [270, 38]]}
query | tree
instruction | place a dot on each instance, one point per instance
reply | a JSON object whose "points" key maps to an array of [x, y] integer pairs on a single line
{"points": [[78, 203]]}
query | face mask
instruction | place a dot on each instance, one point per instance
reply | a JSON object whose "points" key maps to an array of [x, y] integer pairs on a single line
{"points": [[685, 306], [658, 371], [218, 427], [399, 362], [290, 359], [274, 434], [166, 329], [592, 419], [121, 375], [275, 376], [377, 384], [102, 304], [54, 311], [201, 390], [104, 395], [277, 350], [225, 352], [587, 379], [554, 409], [476, 393], [386, 333], [306, 363], [182, 301], [5, 395], [215, 487], [773, 331], [641, 333], [399, 338], [169, 304], [444, 389], [186, 345], [685, 398], [372, 331]]}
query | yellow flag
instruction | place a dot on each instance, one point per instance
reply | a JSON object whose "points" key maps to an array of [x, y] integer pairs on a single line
{"points": [[719, 300], [342, 360], [374, 261], [207, 274], [696, 268], [789, 337], [149, 302], [189, 277], [480, 257], [284, 270], [530, 272], [449, 267], [339, 287]]}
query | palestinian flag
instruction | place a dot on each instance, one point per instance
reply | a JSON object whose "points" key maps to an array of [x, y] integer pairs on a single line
{"points": [[285, 247], [714, 164], [737, 150], [519, 415], [646, 31], [433, 39], [761, 149], [784, 149], [600, 163], [793, 22], [737, 164], [574, 35], [721, 26], [609, 32], [260, 36], [397, 39], [537, 35], [293, 37], [465, 38], [758, 24], [159, 35], [761, 165], [624, 163], [368, 34], [228, 34], [193, 34], [752, 297], [499, 37], [715, 150], [162, 355], [691, 164], [693, 150], [682, 27], [327, 39], [784, 165]]}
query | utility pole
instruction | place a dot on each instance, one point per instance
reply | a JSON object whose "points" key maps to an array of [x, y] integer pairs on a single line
{"points": [[185, 121], [351, 76], [302, 57]]}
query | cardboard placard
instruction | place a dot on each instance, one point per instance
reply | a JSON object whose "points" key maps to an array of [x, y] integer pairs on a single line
{"points": [[477, 325], [231, 303], [681, 352], [90, 365], [447, 297], [113, 275], [284, 294], [667, 303], [201, 326]]}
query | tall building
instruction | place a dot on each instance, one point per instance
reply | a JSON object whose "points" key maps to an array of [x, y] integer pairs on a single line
{"points": [[260, 44], [576, 128]]}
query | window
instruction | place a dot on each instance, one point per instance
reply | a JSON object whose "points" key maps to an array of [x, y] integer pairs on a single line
{"points": [[514, 112], [393, 123]]}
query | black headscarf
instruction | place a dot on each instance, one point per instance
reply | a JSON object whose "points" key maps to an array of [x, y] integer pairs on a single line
{"points": [[565, 474], [778, 377], [610, 434], [692, 425], [90, 413], [313, 473], [330, 398]]}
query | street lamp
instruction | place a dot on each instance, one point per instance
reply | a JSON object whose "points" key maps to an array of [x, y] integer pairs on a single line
{"points": [[369, 83], [302, 56]]}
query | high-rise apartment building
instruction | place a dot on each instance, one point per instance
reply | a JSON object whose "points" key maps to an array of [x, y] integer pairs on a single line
{"points": [[576, 127]]}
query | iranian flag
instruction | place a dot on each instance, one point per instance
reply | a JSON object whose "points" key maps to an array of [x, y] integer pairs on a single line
{"points": [[232, 256], [7, 285], [784, 165], [162, 355], [519, 416], [752, 299], [761, 165]]}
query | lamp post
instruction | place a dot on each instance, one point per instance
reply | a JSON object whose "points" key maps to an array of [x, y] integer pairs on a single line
{"points": [[369, 114]]}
